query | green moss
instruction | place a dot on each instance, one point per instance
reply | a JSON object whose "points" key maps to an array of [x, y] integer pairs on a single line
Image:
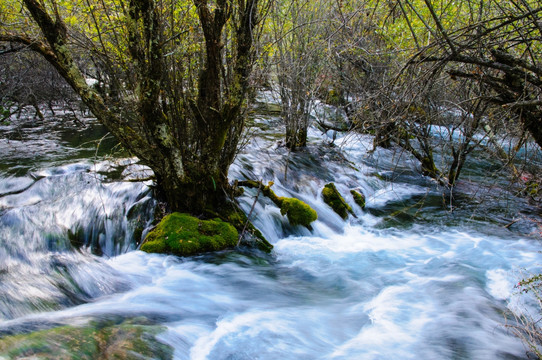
{"points": [[334, 199], [359, 198], [97, 340], [252, 237], [298, 212], [238, 219], [185, 235], [265, 109]]}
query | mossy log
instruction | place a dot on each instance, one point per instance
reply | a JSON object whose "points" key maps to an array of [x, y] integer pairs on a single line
{"points": [[185, 235], [359, 198], [297, 211], [334, 199]]}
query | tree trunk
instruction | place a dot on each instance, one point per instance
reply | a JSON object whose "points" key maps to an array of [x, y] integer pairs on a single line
{"points": [[187, 136], [194, 192], [295, 108], [296, 134]]}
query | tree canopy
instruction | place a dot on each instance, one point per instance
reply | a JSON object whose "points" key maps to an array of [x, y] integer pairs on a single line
{"points": [[171, 77]]}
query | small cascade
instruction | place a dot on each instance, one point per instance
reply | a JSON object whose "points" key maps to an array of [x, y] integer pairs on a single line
{"points": [[49, 230], [54, 220]]}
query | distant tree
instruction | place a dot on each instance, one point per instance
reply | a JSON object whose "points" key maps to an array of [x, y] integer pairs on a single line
{"points": [[26, 80], [299, 58], [455, 67]]}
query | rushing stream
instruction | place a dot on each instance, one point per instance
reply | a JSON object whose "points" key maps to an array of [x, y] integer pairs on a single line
{"points": [[407, 278]]}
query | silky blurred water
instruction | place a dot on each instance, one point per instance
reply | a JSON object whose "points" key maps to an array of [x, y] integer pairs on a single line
{"points": [[407, 277]]}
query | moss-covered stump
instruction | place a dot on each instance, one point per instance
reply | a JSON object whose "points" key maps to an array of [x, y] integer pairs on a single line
{"points": [[185, 235], [297, 211], [359, 198], [133, 339], [334, 199]]}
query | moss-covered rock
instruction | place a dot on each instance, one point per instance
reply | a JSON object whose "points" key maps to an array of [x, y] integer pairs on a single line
{"points": [[359, 198], [297, 211], [133, 339], [185, 235], [334, 199]]}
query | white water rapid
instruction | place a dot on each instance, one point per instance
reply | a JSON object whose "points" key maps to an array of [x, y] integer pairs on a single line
{"points": [[404, 279]]}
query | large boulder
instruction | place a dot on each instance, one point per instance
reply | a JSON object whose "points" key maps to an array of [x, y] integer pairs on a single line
{"points": [[297, 211]]}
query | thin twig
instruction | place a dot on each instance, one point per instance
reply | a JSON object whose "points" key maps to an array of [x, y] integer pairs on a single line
{"points": [[250, 213], [95, 176]]}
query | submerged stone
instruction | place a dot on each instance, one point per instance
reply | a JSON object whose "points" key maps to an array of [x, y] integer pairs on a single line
{"points": [[359, 198], [131, 339], [334, 199], [185, 235]]}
